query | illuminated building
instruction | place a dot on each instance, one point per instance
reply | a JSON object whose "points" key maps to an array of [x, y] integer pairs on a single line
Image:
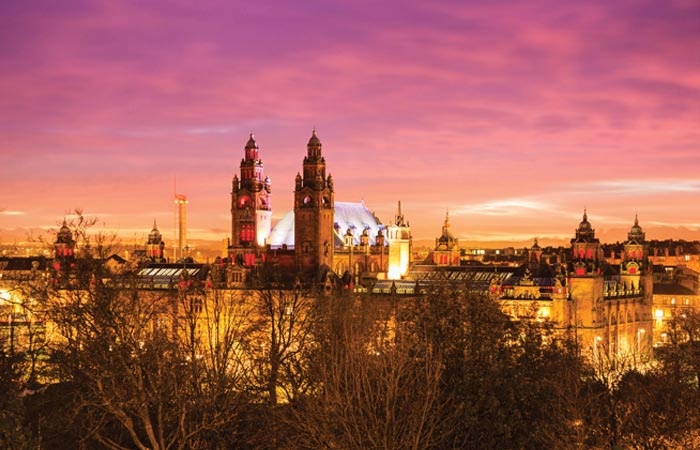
{"points": [[446, 250], [64, 249], [251, 209], [155, 247], [606, 304], [313, 212], [399, 240], [607, 307], [675, 295], [611, 305], [319, 237]]}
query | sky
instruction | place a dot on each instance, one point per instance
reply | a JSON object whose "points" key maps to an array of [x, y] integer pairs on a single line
{"points": [[513, 116]]}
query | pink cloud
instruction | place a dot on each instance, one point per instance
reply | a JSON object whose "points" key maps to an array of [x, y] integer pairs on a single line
{"points": [[444, 104]]}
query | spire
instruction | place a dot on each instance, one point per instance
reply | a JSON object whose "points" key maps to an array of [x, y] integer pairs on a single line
{"points": [[399, 217], [447, 218], [155, 226], [636, 234]]}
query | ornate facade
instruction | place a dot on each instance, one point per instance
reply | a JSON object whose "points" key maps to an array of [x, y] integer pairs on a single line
{"points": [[251, 209], [313, 212]]}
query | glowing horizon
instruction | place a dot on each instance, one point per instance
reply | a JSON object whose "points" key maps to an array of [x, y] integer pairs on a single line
{"points": [[514, 116]]}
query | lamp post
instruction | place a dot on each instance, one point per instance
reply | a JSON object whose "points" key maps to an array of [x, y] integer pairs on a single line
{"points": [[595, 347]]}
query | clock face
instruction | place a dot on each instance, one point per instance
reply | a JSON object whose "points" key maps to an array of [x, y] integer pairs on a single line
{"points": [[244, 201], [308, 201], [326, 202]]}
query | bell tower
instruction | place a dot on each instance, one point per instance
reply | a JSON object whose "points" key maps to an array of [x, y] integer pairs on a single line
{"points": [[585, 248], [313, 212], [251, 208], [634, 264], [155, 247], [64, 248]]}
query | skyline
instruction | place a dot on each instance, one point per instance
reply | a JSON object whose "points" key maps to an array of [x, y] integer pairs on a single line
{"points": [[514, 117]]}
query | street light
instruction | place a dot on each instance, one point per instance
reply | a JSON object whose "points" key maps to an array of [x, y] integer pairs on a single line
{"points": [[595, 346], [640, 332]]}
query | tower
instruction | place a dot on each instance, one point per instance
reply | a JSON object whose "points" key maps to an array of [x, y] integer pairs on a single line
{"points": [[313, 212], [585, 248], [64, 248], [181, 217], [251, 208], [635, 248], [400, 241], [635, 263], [155, 247], [446, 252], [586, 288]]}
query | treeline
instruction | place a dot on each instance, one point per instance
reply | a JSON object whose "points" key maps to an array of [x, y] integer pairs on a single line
{"points": [[197, 368]]}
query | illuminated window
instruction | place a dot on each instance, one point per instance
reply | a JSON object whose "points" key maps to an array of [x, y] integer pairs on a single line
{"points": [[659, 314], [673, 301]]}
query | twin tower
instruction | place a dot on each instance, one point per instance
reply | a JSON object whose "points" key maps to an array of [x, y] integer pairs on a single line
{"points": [[251, 212]]}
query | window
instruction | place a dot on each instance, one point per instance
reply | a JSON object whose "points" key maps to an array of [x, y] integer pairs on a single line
{"points": [[659, 314]]}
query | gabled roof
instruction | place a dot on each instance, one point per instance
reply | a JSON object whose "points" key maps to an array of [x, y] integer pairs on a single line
{"points": [[672, 289]]}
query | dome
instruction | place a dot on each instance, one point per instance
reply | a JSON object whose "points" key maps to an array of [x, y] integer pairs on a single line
{"points": [[636, 229], [251, 142], [585, 225], [447, 239], [154, 237], [64, 236], [314, 141], [585, 232], [636, 233]]}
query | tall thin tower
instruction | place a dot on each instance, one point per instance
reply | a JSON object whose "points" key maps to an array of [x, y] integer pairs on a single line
{"points": [[181, 214]]}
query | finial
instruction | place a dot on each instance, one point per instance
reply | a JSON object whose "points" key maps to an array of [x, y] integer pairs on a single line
{"points": [[447, 217], [636, 220], [585, 215]]}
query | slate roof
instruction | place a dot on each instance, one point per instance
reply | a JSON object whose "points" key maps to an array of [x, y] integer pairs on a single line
{"points": [[672, 289]]}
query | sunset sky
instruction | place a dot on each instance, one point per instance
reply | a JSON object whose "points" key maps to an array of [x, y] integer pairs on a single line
{"points": [[513, 115]]}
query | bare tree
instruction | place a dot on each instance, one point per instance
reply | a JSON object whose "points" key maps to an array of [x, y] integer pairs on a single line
{"points": [[372, 390], [281, 333]]}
